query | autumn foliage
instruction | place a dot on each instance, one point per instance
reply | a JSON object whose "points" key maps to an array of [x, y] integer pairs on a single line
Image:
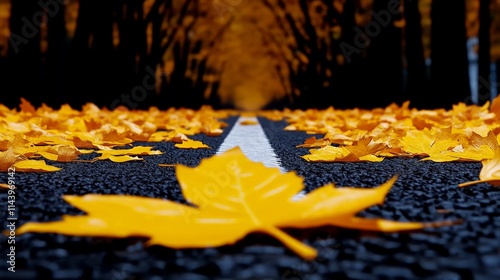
{"points": [[227, 207], [30, 136]]}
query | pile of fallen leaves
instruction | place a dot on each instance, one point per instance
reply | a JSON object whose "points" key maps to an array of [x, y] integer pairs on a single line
{"points": [[465, 133], [230, 195], [29, 136]]}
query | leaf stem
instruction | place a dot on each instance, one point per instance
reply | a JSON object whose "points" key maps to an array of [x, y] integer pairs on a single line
{"points": [[293, 244], [470, 183]]}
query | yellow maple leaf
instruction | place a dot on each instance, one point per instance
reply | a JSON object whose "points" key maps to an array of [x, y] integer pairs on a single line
{"points": [[233, 197], [423, 143], [119, 159], [192, 144], [364, 150], [34, 166], [135, 151], [471, 154], [60, 153], [326, 154]]}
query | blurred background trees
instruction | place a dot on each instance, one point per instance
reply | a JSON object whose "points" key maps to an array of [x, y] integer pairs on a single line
{"points": [[249, 54]]}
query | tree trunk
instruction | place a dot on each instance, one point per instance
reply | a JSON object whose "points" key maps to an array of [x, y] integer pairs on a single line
{"points": [[414, 50], [103, 73], [484, 82], [385, 80], [24, 52], [449, 69], [77, 83], [347, 73], [57, 52]]}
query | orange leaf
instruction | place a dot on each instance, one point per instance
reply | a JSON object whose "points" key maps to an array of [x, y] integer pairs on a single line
{"points": [[34, 166], [191, 144], [136, 151], [7, 159], [26, 106], [313, 143], [248, 122], [119, 159]]}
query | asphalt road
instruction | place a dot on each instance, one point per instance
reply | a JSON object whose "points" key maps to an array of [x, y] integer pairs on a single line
{"points": [[424, 191]]}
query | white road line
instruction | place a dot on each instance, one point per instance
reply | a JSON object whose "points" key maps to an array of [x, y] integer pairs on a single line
{"points": [[254, 143]]}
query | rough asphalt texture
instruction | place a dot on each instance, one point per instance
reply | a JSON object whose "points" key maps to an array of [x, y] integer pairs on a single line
{"points": [[470, 250]]}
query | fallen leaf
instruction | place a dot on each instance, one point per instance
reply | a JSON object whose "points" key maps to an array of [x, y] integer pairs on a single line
{"points": [[42, 132], [364, 150], [34, 166], [60, 153], [326, 154], [26, 106], [422, 143], [7, 159], [118, 159], [315, 143], [233, 197], [248, 122], [135, 151], [179, 138], [191, 144]]}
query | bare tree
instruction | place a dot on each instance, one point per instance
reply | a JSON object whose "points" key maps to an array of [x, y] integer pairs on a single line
{"points": [[24, 53], [484, 90], [449, 68], [414, 51]]}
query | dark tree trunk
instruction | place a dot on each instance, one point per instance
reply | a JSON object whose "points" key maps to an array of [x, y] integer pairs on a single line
{"points": [[384, 81], [90, 61], [78, 85], [103, 74], [449, 69], [484, 89], [57, 52], [24, 53], [414, 50], [348, 73]]}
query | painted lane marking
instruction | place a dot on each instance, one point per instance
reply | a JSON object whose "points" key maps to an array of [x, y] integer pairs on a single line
{"points": [[254, 143]]}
